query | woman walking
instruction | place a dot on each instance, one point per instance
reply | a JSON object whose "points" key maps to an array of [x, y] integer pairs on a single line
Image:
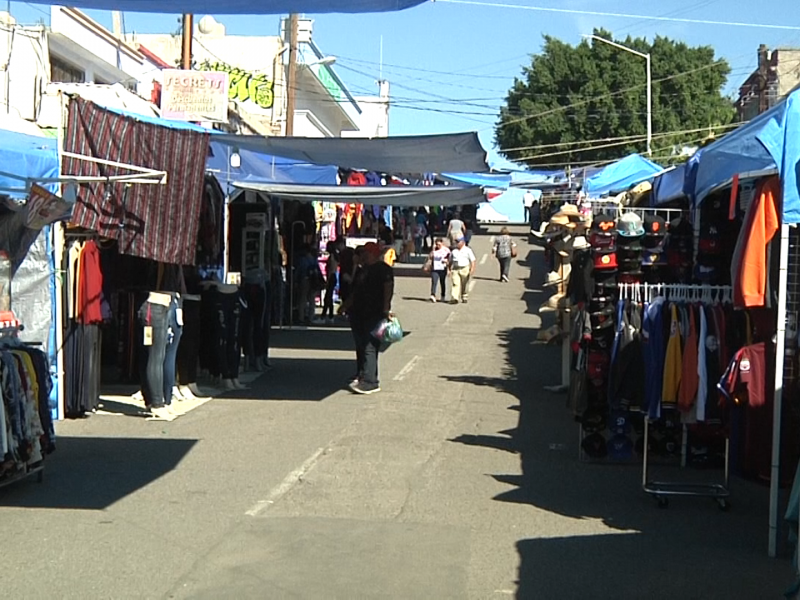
{"points": [[440, 259], [504, 250]]}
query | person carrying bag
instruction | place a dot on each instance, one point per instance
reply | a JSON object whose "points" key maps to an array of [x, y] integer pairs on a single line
{"points": [[504, 250]]}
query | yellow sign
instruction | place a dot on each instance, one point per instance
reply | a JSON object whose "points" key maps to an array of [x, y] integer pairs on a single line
{"points": [[244, 86]]}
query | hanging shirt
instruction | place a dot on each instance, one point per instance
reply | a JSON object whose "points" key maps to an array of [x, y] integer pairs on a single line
{"points": [[90, 285], [687, 391], [653, 350], [750, 267], [702, 375], [673, 363], [713, 365], [745, 379]]}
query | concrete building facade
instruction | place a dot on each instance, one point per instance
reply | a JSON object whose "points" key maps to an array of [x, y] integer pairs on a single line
{"points": [[778, 75]]}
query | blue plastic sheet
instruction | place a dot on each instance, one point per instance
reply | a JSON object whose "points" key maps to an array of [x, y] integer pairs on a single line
{"points": [[669, 186], [781, 136], [263, 167], [243, 7], [619, 176]]}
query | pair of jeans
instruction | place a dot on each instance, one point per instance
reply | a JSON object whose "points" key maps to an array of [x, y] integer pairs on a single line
{"points": [[505, 265], [226, 335], [254, 337], [330, 288], [367, 350], [438, 279], [155, 316], [174, 333], [189, 348]]}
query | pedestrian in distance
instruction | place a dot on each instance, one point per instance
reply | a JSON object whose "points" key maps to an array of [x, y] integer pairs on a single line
{"points": [[439, 265], [456, 229], [462, 266], [331, 268], [504, 250], [370, 303]]}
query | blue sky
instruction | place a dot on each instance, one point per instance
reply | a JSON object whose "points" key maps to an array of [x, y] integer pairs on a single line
{"points": [[450, 65]]}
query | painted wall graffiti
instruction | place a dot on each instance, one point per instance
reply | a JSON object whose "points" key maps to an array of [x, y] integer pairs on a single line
{"points": [[244, 86]]}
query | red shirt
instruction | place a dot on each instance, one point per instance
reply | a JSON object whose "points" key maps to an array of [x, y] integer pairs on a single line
{"points": [[745, 379], [90, 286]]}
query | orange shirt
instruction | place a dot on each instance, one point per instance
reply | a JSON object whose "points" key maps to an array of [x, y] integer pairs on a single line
{"points": [[749, 266]]}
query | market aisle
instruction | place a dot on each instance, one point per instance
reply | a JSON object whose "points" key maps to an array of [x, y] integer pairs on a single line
{"points": [[459, 480]]}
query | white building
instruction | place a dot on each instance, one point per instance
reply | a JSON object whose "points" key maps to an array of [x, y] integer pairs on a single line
{"points": [[257, 65]]}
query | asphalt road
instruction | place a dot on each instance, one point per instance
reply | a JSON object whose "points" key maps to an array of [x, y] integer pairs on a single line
{"points": [[459, 480]]}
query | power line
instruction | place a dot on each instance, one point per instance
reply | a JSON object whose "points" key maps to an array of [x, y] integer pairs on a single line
{"points": [[597, 13], [626, 142]]}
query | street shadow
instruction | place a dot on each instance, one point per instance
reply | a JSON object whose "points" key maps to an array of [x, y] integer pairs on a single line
{"points": [[310, 379], [610, 539], [334, 337], [93, 473]]}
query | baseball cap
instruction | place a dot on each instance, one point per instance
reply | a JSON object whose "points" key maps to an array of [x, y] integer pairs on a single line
{"points": [[619, 422], [604, 225], [710, 239], [651, 258], [620, 447], [594, 419], [597, 365], [594, 446], [602, 240], [630, 277], [604, 259], [630, 225], [654, 226], [372, 248]]}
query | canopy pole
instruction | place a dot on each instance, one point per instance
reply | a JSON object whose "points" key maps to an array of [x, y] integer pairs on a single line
{"points": [[780, 345]]}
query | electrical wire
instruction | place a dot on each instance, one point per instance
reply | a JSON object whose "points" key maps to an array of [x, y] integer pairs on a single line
{"points": [[597, 13]]}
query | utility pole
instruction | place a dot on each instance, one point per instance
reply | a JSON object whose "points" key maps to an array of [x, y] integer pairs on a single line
{"points": [[186, 38], [291, 75], [763, 79]]}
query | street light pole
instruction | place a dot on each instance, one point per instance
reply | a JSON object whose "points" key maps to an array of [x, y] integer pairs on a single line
{"points": [[645, 56]]}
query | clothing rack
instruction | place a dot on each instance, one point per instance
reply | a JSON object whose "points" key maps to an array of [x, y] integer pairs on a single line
{"points": [[661, 490], [613, 204], [676, 292], [8, 336]]}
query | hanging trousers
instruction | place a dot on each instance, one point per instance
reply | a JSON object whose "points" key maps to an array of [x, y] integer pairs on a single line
{"points": [[189, 348]]}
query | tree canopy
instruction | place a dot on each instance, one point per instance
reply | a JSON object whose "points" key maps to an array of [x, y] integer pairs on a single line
{"points": [[587, 103]]}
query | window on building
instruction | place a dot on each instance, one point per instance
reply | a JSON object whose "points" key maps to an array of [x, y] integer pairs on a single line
{"points": [[63, 72]]}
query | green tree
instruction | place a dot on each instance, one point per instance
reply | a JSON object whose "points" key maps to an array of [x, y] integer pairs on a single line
{"points": [[572, 100]]}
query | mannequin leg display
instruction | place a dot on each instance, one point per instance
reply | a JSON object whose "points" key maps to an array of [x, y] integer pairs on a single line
{"points": [[174, 332], [153, 322], [189, 348], [229, 351], [267, 328]]}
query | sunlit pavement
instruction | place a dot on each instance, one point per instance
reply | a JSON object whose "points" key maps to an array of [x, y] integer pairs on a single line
{"points": [[459, 480]]}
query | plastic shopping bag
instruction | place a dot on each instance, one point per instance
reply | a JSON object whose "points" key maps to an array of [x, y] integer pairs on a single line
{"points": [[388, 331]]}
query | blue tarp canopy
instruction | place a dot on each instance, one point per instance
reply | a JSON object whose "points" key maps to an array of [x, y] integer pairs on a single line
{"points": [[669, 186], [243, 7], [26, 156], [738, 152], [263, 167], [492, 180], [781, 136], [621, 175], [770, 141]]}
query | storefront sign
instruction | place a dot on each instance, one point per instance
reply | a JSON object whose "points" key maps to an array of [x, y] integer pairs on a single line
{"points": [[244, 86], [194, 96]]}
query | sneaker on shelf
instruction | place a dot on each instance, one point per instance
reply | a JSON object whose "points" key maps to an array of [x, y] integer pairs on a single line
{"points": [[433, 299], [365, 388]]}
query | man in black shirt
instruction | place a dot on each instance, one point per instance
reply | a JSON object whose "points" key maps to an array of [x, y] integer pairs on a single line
{"points": [[371, 302]]}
